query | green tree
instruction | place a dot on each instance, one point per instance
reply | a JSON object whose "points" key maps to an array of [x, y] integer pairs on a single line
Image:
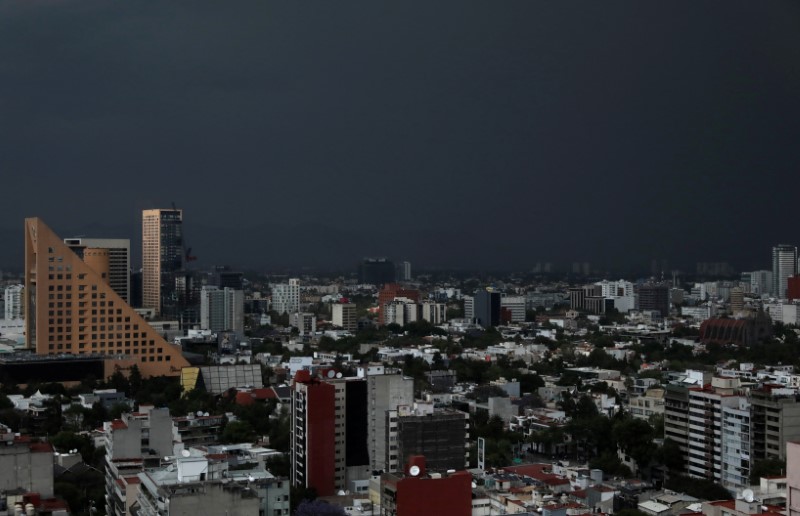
{"points": [[238, 432]]}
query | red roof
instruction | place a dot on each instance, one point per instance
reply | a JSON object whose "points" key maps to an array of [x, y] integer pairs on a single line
{"points": [[118, 424], [244, 398], [264, 394], [41, 447]]}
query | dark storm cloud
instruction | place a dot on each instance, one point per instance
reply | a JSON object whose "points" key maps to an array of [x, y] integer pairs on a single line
{"points": [[465, 133]]}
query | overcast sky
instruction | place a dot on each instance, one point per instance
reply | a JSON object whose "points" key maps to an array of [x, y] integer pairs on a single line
{"points": [[471, 133]]}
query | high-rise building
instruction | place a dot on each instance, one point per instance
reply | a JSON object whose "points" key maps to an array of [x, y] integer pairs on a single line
{"points": [[13, 297], [487, 308], [737, 300], [376, 271], [328, 443], [405, 271], [776, 421], [70, 308], [385, 392], [118, 254], [162, 259], [784, 265], [222, 309], [654, 296], [286, 297], [344, 315]]}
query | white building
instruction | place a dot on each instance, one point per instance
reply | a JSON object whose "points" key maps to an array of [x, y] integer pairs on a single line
{"points": [[400, 311], [306, 323], [516, 305], [784, 265], [286, 297], [469, 307], [718, 417], [222, 309], [13, 299], [700, 313], [621, 292], [736, 439], [434, 313]]}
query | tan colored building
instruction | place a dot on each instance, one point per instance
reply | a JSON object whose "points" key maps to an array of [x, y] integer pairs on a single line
{"points": [[162, 257], [71, 309]]}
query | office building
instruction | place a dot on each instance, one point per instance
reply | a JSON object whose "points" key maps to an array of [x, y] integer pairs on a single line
{"points": [[117, 252], [286, 297], [162, 259], [344, 315], [784, 266], [760, 281], [515, 305], [376, 271], [222, 309], [487, 308], [223, 277], [442, 436], [13, 298], [71, 309], [405, 271], [654, 297]]}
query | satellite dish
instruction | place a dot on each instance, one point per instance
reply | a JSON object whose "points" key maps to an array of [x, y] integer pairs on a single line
{"points": [[341, 492], [748, 495], [199, 413], [205, 414], [474, 485], [186, 453], [413, 470], [331, 373], [338, 375]]}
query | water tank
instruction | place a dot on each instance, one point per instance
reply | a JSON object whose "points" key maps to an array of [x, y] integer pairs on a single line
{"points": [[596, 475], [30, 510], [18, 510]]}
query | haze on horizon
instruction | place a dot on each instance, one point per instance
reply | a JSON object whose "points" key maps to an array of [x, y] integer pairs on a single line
{"points": [[468, 134]]}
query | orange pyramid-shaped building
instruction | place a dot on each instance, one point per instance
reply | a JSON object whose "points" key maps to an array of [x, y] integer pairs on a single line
{"points": [[71, 309]]}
